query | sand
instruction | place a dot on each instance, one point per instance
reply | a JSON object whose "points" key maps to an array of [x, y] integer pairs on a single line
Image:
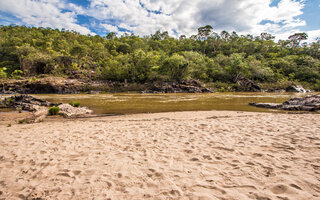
{"points": [[178, 155]]}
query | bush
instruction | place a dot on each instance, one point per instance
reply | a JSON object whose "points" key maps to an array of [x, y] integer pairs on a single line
{"points": [[223, 87], [316, 86], [53, 110], [16, 74], [74, 103], [3, 74]]}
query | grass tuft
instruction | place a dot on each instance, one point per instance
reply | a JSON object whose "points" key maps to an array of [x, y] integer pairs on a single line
{"points": [[53, 110], [74, 103]]}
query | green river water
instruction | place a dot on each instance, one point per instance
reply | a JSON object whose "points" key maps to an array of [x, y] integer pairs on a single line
{"points": [[127, 103]]}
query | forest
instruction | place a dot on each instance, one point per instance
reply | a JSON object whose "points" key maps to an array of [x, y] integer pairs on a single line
{"points": [[210, 57]]}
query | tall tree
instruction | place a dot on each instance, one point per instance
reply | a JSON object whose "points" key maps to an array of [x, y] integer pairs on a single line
{"points": [[296, 38], [204, 32], [266, 36]]}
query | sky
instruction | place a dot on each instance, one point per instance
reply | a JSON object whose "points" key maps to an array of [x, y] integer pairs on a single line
{"points": [[281, 18]]}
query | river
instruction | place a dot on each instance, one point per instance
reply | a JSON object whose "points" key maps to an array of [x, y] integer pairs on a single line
{"points": [[127, 103]]}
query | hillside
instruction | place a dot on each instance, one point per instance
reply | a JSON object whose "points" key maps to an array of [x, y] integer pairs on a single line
{"points": [[212, 58]]}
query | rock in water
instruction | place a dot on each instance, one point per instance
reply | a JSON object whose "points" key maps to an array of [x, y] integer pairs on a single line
{"points": [[294, 88], [266, 105], [308, 103]]}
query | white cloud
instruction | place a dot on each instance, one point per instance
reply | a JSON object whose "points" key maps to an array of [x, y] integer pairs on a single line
{"points": [[44, 13], [185, 16], [144, 17], [110, 28], [313, 35]]}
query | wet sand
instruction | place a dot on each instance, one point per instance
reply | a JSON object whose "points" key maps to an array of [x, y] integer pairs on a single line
{"points": [[177, 155]]}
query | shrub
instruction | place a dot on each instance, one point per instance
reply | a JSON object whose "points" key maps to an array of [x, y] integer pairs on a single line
{"points": [[26, 120], [8, 101], [3, 74], [316, 86], [16, 74], [53, 110], [74, 103]]}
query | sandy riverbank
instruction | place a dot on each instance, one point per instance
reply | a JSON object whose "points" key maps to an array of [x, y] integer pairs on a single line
{"points": [[182, 155]]}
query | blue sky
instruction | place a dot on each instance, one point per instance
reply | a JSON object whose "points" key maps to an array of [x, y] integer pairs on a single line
{"points": [[179, 17]]}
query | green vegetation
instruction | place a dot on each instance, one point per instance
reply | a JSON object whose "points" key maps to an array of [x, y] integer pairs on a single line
{"points": [[26, 120], [53, 110], [8, 101], [3, 73], [208, 56], [74, 103]]}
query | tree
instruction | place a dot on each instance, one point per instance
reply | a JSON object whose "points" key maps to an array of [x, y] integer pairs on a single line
{"points": [[182, 37], [296, 38], [266, 36], [160, 36], [111, 36], [176, 67], [225, 35], [204, 32]]}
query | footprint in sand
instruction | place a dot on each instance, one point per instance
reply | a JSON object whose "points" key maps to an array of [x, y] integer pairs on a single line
{"points": [[155, 173], [38, 195], [76, 172], [279, 189], [207, 157], [295, 186], [188, 151], [194, 159]]}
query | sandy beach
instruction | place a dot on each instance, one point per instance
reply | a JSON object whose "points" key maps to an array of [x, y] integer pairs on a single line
{"points": [[177, 155]]}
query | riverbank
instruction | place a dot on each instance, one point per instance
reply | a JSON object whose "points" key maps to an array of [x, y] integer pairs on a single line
{"points": [[178, 155], [61, 85]]}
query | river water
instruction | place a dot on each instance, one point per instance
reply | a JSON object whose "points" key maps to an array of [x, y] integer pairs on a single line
{"points": [[127, 103]]}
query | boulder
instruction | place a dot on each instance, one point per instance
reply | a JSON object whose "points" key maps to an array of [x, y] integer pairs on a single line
{"points": [[41, 86], [70, 111], [308, 103], [246, 83], [266, 105], [40, 107], [294, 88], [26, 102], [191, 86]]}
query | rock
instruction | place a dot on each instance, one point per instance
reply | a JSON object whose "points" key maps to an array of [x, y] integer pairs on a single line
{"points": [[275, 90], [26, 102], [246, 83], [266, 105], [94, 92], [40, 107], [70, 111], [41, 86], [294, 88], [191, 86], [58, 85], [308, 103]]}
